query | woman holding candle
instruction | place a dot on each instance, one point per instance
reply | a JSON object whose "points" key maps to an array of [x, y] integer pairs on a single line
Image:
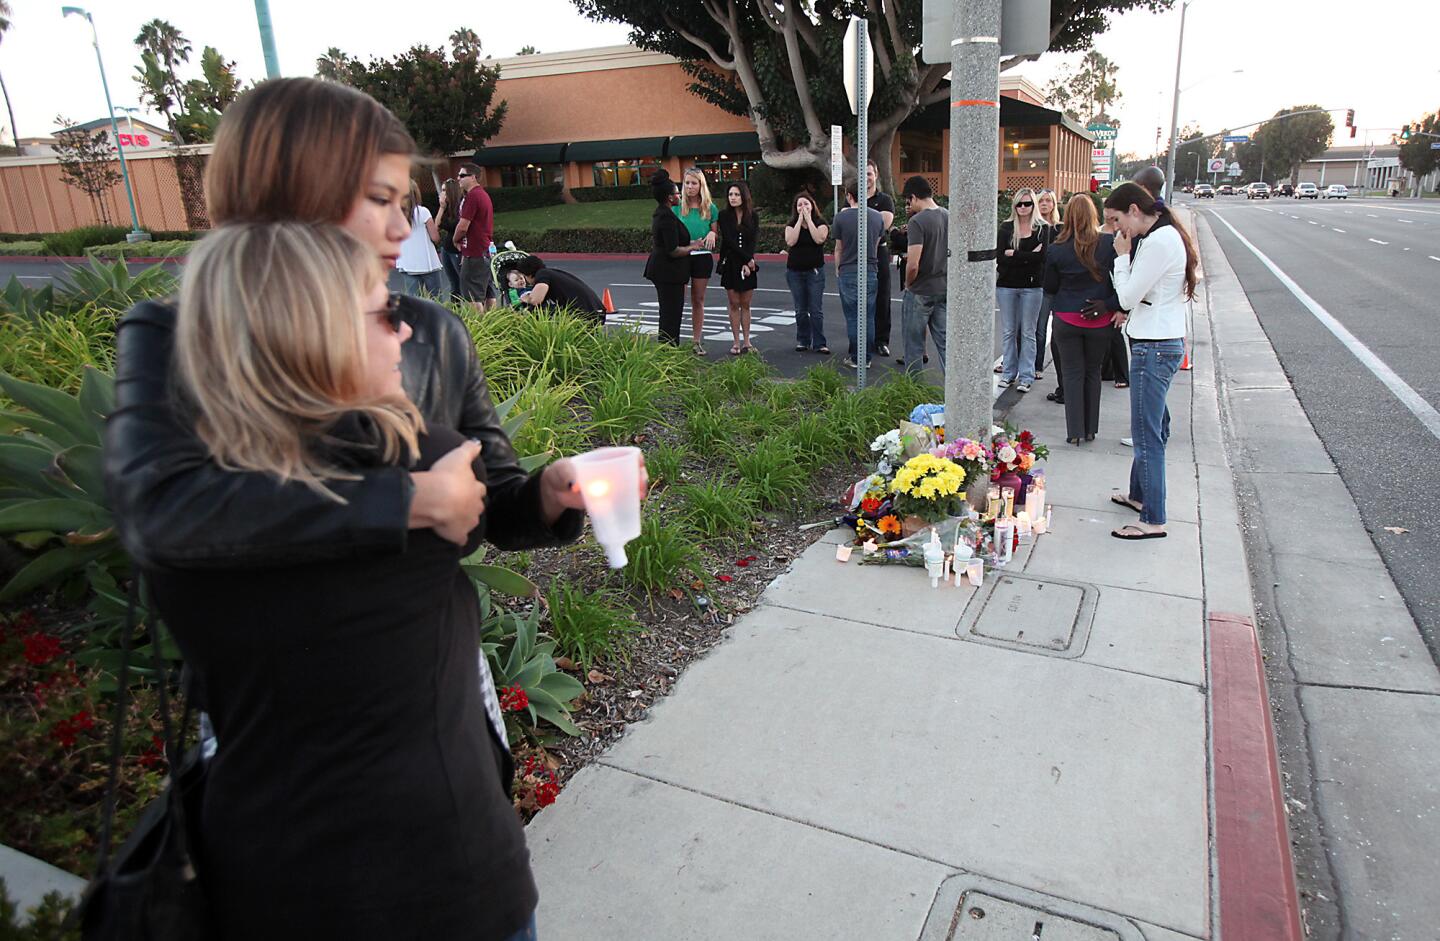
{"points": [[1154, 279], [1077, 274]]}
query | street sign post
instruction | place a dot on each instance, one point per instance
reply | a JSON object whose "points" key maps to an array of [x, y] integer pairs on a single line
{"points": [[855, 87], [837, 155], [1435, 145], [1237, 138], [1102, 153], [859, 76]]}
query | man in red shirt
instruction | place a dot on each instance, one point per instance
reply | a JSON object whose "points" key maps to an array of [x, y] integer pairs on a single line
{"points": [[473, 234]]}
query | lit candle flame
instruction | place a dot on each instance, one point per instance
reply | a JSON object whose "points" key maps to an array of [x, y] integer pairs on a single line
{"points": [[598, 488]]}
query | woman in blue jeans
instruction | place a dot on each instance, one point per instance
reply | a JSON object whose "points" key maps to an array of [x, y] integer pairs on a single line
{"points": [[1019, 263], [805, 237], [1154, 280]]}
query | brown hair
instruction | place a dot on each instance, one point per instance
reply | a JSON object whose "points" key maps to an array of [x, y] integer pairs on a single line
{"points": [[298, 149], [1133, 194], [1083, 226], [747, 205]]}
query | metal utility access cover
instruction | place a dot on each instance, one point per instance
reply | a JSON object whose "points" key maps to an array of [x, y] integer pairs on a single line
{"points": [[1031, 614], [983, 917]]}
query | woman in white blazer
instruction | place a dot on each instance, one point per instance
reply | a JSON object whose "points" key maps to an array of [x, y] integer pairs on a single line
{"points": [[1154, 279]]}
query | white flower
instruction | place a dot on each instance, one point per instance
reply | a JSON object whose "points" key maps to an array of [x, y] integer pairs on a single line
{"points": [[884, 467], [1007, 454], [888, 445]]}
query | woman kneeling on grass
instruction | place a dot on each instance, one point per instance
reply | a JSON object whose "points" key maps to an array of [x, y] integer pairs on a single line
{"points": [[360, 787]]}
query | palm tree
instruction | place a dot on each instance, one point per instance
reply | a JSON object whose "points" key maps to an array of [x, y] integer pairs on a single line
{"points": [[5, 15], [465, 44], [162, 48]]}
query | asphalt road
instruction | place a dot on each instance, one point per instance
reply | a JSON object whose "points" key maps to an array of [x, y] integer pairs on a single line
{"points": [[1374, 265]]}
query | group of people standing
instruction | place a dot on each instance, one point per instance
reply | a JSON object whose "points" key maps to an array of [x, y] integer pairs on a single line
{"points": [[448, 252]]}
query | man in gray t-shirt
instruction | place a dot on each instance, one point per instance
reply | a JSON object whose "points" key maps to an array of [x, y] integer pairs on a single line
{"points": [[922, 306], [847, 237]]}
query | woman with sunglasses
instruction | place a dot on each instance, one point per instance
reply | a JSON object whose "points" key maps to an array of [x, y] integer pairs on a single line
{"points": [[1047, 211], [1020, 257]]}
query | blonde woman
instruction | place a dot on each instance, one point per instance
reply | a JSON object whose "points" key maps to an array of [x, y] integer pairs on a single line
{"points": [[699, 214], [1020, 257], [344, 693], [1048, 212]]}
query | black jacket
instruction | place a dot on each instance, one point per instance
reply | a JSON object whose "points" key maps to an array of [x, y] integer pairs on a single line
{"points": [[1021, 270], [1070, 284], [174, 507], [737, 240], [667, 233]]}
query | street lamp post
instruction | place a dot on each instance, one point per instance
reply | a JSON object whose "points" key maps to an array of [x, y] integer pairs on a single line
{"points": [[136, 234], [1175, 107]]}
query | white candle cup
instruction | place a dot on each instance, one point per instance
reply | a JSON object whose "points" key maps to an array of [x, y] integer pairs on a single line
{"points": [[1035, 502], [609, 481]]}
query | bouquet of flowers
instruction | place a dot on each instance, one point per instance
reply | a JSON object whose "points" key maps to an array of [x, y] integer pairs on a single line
{"points": [[929, 487], [871, 510], [1015, 453], [889, 447], [974, 457]]}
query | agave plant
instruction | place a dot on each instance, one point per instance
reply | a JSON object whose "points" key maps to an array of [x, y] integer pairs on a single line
{"points": [[52, 493], [112, 285]]}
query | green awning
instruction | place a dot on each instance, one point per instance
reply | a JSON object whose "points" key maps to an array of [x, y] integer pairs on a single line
{"points": [[589, 150], [695, 145], [520, 154]]}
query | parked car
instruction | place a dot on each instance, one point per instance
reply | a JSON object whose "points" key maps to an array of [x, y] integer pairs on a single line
{"points": [[1257, 190], [1307, 191], [1204, 191], [1226, 189], [1284, 189], [1337, 191]]}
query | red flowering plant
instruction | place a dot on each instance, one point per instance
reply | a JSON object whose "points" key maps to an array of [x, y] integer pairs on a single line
{"points": [[1016, 452], [56, 713], [536, 783]]}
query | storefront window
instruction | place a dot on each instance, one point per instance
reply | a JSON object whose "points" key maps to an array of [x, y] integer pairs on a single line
{"points": [[531, 174], [625, 172], [727, 166], [1026, 148]]}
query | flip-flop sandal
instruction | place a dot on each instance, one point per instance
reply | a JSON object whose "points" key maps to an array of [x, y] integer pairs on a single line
{"points": [[1124, 501], [735, 350], [1122, 385], [1130, 531], [800, 348]]}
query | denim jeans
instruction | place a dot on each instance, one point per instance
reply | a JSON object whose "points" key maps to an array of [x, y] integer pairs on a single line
{"points": [[1042, 333], [431, 283], [1153, 366], [918, 313], [450, 261], [1019, 309], [527, 933], [808, 290], [848, 305]]}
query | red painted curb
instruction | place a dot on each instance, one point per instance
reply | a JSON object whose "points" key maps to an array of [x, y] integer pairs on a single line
{"points": [[599, 256], [1258, 901]]}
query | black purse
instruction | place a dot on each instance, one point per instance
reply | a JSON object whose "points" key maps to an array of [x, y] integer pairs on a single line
{"points": [[151, 889]]}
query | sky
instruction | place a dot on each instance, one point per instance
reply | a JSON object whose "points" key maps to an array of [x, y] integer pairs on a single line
{"points": [[1335, 54]]}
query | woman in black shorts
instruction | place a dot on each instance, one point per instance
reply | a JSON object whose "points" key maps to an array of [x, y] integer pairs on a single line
{"points": [[698, 213], [739, 231]]}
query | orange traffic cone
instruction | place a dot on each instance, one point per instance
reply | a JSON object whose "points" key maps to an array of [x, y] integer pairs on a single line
{"points": [[608, 302], [1185, 363]]}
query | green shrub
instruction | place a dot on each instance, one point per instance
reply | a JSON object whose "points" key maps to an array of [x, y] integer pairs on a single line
{"points": [[718, 508], [775, 190], [773, 471], [550, 424], [854, 418], [707, 430], [112, 285], [754, 420], [622, 404], [820, 386], [589, 626], [636, 352], [814, 441], [739, 376], [661, 554], [608, 194], [73, 242], [54, 349], [22, 248], [520, 658], [701, 395], [154, 248], [508, 198], [46, 922], [664, 462], [23, 236]]}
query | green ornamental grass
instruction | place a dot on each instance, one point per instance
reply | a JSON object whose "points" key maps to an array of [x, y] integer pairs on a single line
{"points": [[719, 508], [772, 470], [589, 626], [658, 558]]}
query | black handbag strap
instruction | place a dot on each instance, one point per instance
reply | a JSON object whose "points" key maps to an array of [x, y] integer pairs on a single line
{"points": [[117, 731]]}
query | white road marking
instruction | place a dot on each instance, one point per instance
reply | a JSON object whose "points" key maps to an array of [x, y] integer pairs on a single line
{"points": [[1342, 231], [1433, 258], [1378, 242], [1311, 221], [1423, 212], [1370, 214], [1408, 397], [1406, 221]]}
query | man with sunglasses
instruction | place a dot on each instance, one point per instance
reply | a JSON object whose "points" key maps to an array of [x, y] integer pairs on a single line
{"points": [[473, 234]]}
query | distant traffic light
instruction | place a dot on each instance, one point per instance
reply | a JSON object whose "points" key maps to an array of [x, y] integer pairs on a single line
{"points": [[1350, 118], [1405, 132]]}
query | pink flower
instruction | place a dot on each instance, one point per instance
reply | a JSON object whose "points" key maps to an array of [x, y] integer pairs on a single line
{"points": [[971, 451]]}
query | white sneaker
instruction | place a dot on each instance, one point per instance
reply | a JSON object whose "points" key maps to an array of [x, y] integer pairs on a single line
{"points": [[1128, 442], [1002, 383], [1023, 387]]}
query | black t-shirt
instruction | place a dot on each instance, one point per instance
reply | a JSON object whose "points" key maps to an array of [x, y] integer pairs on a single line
{"points": [[881, 202], [806, 254], [566, 290]]}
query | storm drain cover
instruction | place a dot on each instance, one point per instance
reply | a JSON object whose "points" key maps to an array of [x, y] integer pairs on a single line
{"points": [[986, 918], [1035, 615]]}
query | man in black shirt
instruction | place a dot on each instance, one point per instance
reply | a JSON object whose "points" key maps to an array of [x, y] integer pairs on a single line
{"points": [[551, 287]]}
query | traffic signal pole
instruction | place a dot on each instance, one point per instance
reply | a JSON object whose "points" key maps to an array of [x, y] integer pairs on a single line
{"points": [[974, 181]]}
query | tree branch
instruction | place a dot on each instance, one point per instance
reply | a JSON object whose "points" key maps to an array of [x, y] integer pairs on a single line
{"points": [[872, 31], [715, 57], [1010, 63], [770, 15], [797, 74]]}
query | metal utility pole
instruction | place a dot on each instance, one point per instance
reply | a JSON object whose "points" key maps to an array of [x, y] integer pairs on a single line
{"points": [[862, 185], [136, 233], [974, 180], [267, 38], [1175, 108]]}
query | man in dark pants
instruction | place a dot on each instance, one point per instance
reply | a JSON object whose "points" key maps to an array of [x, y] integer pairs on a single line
{"points": [[883, 204], [555, 289]]}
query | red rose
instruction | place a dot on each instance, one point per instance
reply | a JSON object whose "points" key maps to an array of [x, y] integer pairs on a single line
{"points": [[1026, 437], [40, 649]]}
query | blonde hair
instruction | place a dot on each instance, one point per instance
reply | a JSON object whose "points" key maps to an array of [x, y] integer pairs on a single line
{"points": [[1015, 236], [271, 351], [1055, 216], [707, 205]]}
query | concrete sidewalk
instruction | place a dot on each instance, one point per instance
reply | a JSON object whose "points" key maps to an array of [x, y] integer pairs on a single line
{"points": [[865, 752]]}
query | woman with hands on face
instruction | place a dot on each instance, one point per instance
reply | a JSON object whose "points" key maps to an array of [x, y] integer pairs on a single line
{"points": [[805, 237]]}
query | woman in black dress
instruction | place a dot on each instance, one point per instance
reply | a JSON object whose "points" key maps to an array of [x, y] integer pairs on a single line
{"points": [[668, 267], [739, 231]]}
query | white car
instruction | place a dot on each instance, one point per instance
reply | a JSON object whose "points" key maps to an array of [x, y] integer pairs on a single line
{"points": [[1307, 191], [1337, 191]]}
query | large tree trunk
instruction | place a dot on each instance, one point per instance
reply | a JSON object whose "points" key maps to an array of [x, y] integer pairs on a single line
{"points": [[880, 152], [14, 133]]}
